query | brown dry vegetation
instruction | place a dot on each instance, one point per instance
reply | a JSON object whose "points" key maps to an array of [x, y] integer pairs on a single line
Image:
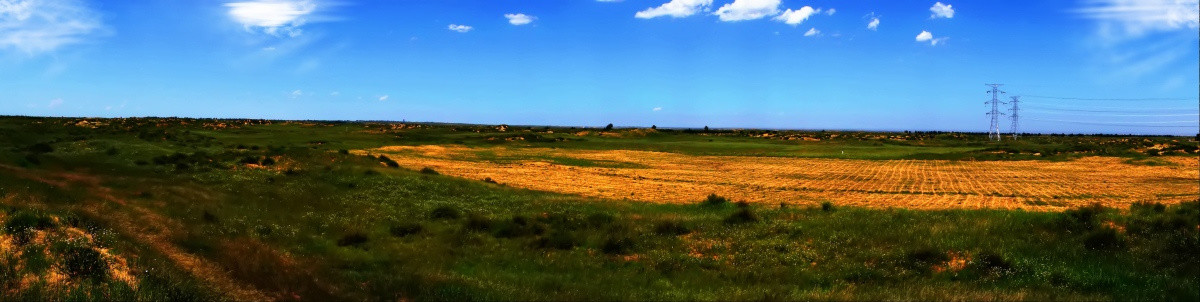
{"points": [[919, 184]]}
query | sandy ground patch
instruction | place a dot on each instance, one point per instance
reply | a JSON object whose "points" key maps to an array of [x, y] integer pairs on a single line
{"points": [[919, 184]]}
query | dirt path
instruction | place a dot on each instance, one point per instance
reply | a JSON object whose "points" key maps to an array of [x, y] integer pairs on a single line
{"points": [[920, 184]]}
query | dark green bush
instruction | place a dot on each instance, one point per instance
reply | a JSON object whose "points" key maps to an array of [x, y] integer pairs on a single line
{"points": [[405, 229], [558, 239], [743, 215], [445, 212], [478, 222], [671, 228], [714, 200], [924, 259], [355, 239], [1103, 239], [83, 262], [992, 262], [428, 170], [827, 206], [617, 245]]}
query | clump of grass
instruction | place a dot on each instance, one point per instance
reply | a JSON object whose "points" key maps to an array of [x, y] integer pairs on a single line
{"points": [[1103, 239], [924, 259], [83, 262], [518, 226], [429, 171], [406, 229], [558, 239], [617, 245], [445, 212], [671, 228], [209, 217], [714, 200], [743, 215], [22, 224], [478, 222], [388, 161], [355, 239], [489, 180], [992, 262], [343, 151], [827, 206], [1086, 217]]}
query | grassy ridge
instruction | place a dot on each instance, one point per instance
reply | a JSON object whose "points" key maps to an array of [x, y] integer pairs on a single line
{"points": [[315, 223]]}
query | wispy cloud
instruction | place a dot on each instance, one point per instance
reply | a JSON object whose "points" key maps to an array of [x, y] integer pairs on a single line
{"points": [[1135, 38], [40, 26], [812, 32], [795, 17], [675, 9], [926, 36], [740, 10], [657, 109], [383, 98], [873, 23], [277, 17], [519, 19], [941, 11], [460, 28], [55, 103]]}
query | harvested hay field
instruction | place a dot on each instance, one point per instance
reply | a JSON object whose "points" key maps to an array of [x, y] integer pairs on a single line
{"points": [[917, 184]]}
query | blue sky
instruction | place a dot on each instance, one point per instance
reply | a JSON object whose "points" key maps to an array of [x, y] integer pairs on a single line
{"points": [[671, 63]]}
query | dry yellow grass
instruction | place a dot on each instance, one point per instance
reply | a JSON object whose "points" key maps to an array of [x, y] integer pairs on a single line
{"points": [[918, 184]]}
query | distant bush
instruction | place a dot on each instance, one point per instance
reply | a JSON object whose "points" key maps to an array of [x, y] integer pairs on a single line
{"points": [[445, 212], [924, 259], [489, 180], [1085, 217], [22, 224], [428, 170], [40, 148], [827, 206], [209, 217], [478, 222], [671, 228], [405, 229], [617, 245], [83, 262], [111, 151], [249, 160], [600, 219], [518, 226], [356, 239], [609, 127], [992, 262], [558, 239], [268, 161], [343, 151], [714, 200], [388, 161], [743, 215], [1103, 239]]}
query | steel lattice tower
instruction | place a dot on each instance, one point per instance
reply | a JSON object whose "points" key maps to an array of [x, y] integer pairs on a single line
{"points": [[1016, 100], [994, 129]]}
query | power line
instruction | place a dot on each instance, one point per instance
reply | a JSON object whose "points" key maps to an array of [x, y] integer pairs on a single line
{"points": [[1114, 110], [1140, 108], [1111, 99], [1195, 123], [1117, 115]]}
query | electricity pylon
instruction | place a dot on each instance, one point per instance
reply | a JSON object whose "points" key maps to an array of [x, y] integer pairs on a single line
{"points": [[994, 129], [1016, 100]]}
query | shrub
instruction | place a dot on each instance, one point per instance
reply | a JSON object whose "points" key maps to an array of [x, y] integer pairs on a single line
{"points": [[22, 224], [517, 227], [388, 161], [923, 259], [743, 215], [609, 127], [478, 222], [428, 170], [672, 228], [249, 160], [405, 229], [209, 217], [268, 161], [40, 148], [714, 200], [1103, 239], [1086, 217], [343, 151], [111, 151], [489, 180], [445, 212], [600, 219], [992, 262], [617, 245], [356, 239], [558, 239], [83, 262], [827, 206]]}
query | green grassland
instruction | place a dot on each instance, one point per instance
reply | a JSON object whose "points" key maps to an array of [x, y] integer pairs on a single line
{"points": [[280, 209]]}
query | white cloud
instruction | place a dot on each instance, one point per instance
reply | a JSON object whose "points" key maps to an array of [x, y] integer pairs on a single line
{"points": [[741, 10], [460, 28], [1139, 17], [39, 26], [941, 11], [335, 93], [675, 9], [795, 17], [926, 36], [831, 11], [383, 98], [812, 32], [273, 17], [874, 24], [296, 93], [657, 109], [519, 19], [55, 103]]}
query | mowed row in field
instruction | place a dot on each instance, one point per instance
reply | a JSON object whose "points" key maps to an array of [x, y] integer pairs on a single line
{"points": [[918, 184]]}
